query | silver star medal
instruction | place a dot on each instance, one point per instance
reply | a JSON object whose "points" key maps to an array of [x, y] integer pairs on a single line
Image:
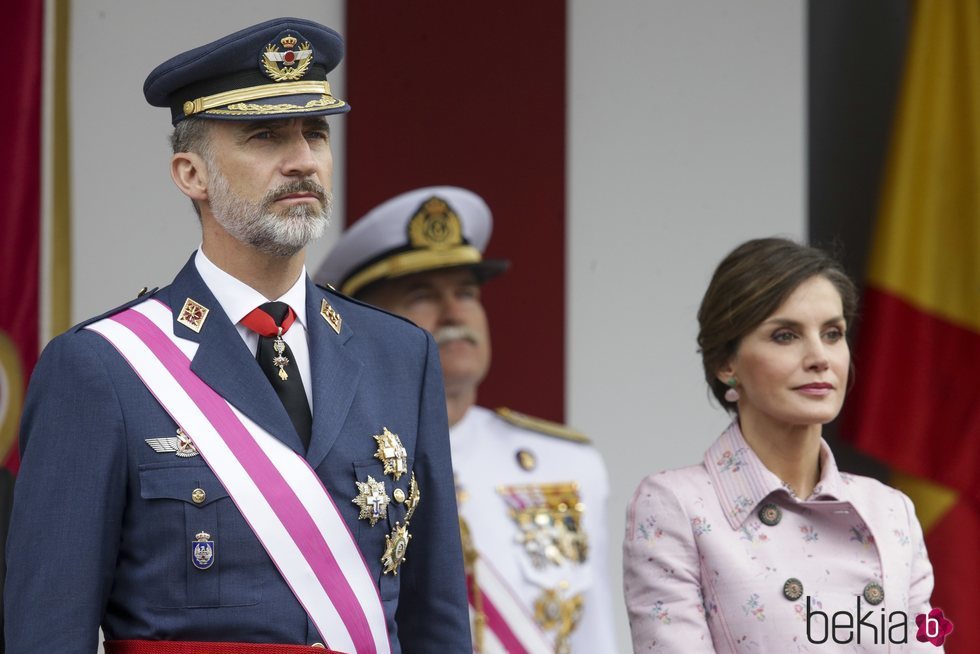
{"points": [[372, 499]]}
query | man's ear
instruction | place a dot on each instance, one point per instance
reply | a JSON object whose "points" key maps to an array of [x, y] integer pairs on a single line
{"points": [[190, 174]]}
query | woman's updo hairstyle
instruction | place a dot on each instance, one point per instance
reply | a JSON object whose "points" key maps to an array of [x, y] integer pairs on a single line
{"points": [[748, 286]]}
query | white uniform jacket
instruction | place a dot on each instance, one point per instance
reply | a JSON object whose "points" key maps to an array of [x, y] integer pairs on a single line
{"points": [[535, 504]]}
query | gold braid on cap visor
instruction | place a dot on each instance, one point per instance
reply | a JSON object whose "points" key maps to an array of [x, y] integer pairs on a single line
{"points": [[412, 261], [208, 102]]}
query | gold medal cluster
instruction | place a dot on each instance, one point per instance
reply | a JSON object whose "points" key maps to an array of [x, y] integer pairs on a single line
{"points": [[548, 518], [373, 499]]}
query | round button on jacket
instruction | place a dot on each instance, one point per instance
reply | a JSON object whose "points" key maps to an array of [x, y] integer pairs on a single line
{"points": [[793, 589], [526, 459], [198, 496], [874, 594], [770, 515]]}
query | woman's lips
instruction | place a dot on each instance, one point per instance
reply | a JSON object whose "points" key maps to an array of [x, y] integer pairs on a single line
{"points": [[817, 389]]}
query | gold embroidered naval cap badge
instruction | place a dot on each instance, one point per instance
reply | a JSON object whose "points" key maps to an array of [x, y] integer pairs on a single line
{"points": [[435, 225]]}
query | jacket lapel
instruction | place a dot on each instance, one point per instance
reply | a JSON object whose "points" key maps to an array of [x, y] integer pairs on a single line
{"points": [[336, 373], [224, 363]]}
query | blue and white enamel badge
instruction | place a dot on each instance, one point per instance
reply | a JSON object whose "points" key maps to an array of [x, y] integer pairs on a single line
{"points": [[202, 551]]}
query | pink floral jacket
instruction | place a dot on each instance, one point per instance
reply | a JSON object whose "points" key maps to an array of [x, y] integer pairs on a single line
{"points": [[723, 557]]}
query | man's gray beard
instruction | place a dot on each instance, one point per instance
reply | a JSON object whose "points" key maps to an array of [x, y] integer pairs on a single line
{"points": [[256, 224]]}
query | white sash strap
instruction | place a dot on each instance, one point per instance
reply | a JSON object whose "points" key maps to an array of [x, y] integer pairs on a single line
{"points": [[277, 492], [510, 629]]}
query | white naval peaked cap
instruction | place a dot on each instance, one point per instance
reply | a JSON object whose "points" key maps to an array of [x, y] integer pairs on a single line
{"points": [[429, 228]]}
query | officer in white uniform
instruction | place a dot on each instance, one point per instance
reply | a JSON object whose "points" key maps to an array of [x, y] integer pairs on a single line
{"points": [[532, 494]]}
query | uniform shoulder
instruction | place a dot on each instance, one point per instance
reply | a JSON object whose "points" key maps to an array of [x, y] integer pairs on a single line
{"points": [[541, 426], [144, 295]]}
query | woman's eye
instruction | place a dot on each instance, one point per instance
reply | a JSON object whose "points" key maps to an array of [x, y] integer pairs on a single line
{"points": [[834, 335], [783, 336]]}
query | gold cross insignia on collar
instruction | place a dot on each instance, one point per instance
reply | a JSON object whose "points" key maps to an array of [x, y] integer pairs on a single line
{"points": [[330, 315], [193, 315]]}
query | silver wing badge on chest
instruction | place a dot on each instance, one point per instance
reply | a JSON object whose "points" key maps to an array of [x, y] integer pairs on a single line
{"points": [[179, 444]]}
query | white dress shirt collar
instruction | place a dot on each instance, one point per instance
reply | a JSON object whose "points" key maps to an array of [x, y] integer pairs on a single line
{"points": [[237, 298]]}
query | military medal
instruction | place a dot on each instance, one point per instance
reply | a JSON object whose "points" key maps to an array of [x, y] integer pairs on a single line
{"points": [[549, 522], [412, 501], [279, 360], [202, 551], [180, 444], [555, 613], [391, 453], [372, 499], [395, 545]]}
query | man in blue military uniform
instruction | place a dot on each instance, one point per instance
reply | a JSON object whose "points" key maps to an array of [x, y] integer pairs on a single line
{"points": [[532, 494], [240, 461]]}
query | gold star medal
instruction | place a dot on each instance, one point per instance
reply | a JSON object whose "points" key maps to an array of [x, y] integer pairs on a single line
{"points": [[395, 545], [391, 453], [372, 499], [412, 501]]}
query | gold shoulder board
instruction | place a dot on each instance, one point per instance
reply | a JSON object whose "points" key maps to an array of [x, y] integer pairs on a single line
{"points": [[541, 426]]}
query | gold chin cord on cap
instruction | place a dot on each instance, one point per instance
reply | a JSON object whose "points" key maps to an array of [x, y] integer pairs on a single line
{"points": [[191, 107]]}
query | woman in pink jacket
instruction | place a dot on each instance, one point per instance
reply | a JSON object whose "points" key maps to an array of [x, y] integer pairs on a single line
{"points": [[765, 546]]}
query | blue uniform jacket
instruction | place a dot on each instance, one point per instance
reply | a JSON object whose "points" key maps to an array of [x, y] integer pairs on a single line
{"points": [[102, 524]]}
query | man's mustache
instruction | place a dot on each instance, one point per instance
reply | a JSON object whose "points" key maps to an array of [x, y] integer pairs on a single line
{"points": [[302, 186], [454, 333]]}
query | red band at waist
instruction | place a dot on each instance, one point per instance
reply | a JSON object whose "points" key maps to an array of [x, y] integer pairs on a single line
{"points": [[192, 647]]}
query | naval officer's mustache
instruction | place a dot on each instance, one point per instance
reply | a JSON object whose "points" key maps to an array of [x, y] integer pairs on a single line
{"points": [[444, 335]]}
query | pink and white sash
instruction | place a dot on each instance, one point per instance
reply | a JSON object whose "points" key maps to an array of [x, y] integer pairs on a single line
{"points": [[510, 629], [275, 489]]}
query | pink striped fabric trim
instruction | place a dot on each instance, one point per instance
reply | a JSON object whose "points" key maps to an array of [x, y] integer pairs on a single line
{"points": [[267, 478], [500, 628]]}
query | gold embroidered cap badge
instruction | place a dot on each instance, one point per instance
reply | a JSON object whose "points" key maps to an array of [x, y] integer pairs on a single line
{"points": [[290, 63]]}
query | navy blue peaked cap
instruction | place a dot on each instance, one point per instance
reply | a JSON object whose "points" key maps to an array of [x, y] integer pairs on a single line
{"points": [[271, 70]]}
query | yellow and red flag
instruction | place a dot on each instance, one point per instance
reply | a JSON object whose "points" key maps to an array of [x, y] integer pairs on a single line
{"points": [[916, 401]]}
